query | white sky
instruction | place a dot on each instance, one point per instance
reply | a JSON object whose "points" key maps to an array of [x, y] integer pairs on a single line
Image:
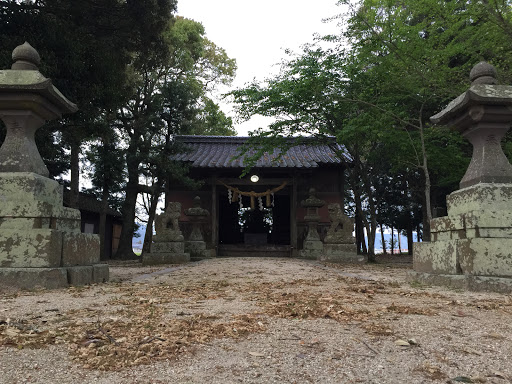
{"points": [[255, 33]]}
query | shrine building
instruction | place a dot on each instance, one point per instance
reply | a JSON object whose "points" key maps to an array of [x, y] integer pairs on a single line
{"points": [[259, 214]]}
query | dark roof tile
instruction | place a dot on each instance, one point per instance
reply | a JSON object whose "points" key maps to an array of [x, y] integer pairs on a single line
{"points": [[220, 152]]}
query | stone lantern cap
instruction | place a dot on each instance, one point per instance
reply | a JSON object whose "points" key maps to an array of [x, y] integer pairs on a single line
{"points": [[483, 92], [24, 87], [312, 201], [196, 209], [482, 114]]}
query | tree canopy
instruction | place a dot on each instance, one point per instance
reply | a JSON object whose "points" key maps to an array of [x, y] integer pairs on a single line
{"points": [[139, 75], [375, 85]]}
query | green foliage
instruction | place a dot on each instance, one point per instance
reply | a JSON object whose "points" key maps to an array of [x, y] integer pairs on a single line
{"points": [[374, 87], [139, 76]]}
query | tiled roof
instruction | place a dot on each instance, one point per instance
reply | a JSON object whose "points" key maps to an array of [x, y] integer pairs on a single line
{"points": [[219, 151], [89, 203]]}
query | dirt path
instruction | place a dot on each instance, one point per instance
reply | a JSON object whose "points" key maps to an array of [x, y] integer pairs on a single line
{"points": [[252, 320]]}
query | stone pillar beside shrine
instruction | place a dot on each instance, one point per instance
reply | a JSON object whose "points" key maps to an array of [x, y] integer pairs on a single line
{"points": [[313, 246], [339, 244], [195, 245], [471, 248], [168, 245], [41, 244]]}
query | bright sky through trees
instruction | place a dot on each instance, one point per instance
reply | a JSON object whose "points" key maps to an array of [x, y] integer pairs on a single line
{"points": [[257, 33]]}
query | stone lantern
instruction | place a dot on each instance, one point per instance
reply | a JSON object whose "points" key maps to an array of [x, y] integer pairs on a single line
{"points": [[339, 244], [313, 246], [41, 243], [471, 248], [168, 245], [195, 245]]}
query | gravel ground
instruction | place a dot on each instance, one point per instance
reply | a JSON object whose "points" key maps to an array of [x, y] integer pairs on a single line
{"points": [[255, 320]]}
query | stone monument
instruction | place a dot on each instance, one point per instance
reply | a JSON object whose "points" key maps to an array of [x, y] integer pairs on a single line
{"points": [[313, 246], [168, 245], [41, 244], [339, 244], [195, 245], [471, 248]]}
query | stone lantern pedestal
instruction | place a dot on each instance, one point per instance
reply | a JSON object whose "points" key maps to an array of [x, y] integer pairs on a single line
{"points": [[168, 245], [41, 244], [339, 244], [471, 248], [195, 245], [313, 247]]}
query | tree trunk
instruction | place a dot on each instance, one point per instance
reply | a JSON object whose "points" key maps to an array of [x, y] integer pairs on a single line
{"points": [[392, 241], [362, 237], [103, 222], [428, 210], [125, 250], [371, 225], [383, 241], [148, 236], [359, 237], [370, 231], [399, 241], [361, 243], [75, 174], [410, 239]]}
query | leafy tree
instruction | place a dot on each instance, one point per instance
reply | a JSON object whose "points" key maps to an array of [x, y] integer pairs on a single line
{"points": [[86, 46], [170, 98], [138, 74], [394, 66]]}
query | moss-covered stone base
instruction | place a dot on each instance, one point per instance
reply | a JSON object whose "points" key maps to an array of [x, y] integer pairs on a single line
{"points": [[41, 243], [463, 282], [51, 278], [165, 258], [473, 244], [341, 253], [197, 250], [313, 249]]}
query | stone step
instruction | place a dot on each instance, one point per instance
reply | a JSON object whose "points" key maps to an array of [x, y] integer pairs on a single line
{"points": [[242, 250]]}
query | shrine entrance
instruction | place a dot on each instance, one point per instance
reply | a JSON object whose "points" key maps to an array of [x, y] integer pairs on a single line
{"points": [[258, 213], [259, 230], [259, 226]]}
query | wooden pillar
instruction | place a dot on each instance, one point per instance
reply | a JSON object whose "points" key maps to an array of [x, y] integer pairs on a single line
{"points": [[214, 214], [293, 216], [167, 191]]}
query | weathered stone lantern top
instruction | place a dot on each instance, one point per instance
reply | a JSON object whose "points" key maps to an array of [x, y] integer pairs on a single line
{"points": [[25, 78], [196, 209], [312, 201], [27, 101], [482, 114], [484, 91]]}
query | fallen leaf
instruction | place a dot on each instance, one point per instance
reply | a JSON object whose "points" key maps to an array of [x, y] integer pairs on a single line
{"points": [[494, 335], [463, 379], [402, 343], [472, 351], [499, 374], [257, 354], [12, 332]]}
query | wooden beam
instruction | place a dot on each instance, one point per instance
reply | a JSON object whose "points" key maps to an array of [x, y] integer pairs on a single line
{"points": [[293, 215], [215, 224], [268, 181]]}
